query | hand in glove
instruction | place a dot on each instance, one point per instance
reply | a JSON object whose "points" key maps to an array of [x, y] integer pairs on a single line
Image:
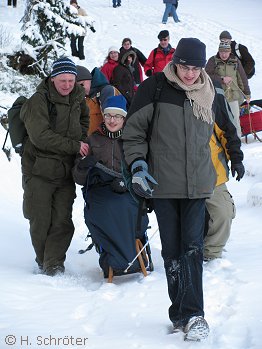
{"points": [[148, 72], [141, 179], [239, 169], [87, 162]]}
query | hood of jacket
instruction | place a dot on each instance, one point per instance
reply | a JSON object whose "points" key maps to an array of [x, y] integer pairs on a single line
{"points": [[98, 82], [124, 54]]}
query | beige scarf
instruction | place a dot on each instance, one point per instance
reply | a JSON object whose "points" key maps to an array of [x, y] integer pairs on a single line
{"points": [[201, 93]]}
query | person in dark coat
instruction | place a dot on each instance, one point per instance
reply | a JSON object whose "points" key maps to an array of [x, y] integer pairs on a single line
{"points": [[123, 75], [174, 169], [77, 42], [56, 120], [110, 210], [139, 62]]}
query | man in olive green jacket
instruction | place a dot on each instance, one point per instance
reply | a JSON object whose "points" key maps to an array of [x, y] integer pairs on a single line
{"points": [[56, 119]]}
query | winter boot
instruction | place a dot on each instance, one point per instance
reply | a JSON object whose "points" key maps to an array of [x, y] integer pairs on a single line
{"points": [[196, 329]]}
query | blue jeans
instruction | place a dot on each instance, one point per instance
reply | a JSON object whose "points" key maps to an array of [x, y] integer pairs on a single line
{"points": [[181, 225], [116, 2], [170, 9]]}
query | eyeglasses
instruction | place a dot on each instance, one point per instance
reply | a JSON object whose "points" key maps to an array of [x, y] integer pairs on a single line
{"points": [[116, 117], [187, 69]]}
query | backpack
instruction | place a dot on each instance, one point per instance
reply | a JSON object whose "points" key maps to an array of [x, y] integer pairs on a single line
{"points": [[16, 127], [238, 54]]}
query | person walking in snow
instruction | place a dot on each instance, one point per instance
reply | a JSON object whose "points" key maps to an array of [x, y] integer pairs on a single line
{"points": [[171, 6], [116, 3], [160, 56], [227, 69], [139, 62], [123, 75], [220, 208], [241, 52], [77, 42], [175, 170], [56, 120], [111, 62]]}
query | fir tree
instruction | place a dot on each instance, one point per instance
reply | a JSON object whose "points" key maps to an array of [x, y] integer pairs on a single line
{"points": [[46, 25]]}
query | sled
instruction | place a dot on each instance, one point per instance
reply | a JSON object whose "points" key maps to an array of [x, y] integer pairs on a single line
{"points": [[251, 119]]}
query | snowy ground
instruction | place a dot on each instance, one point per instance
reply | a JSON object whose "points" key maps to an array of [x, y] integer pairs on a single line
{"points": [[36, 310]]}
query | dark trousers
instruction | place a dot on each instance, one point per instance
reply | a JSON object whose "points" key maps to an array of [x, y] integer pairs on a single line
{"points": [[12, 2], [77, 46], [49, 210], [181, 225]]}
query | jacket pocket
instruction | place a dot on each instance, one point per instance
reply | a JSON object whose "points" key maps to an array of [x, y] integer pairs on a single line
{"points": [[49, 168]]}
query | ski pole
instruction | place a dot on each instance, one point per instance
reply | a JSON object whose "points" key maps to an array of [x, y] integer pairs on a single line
{"points": [[145, 245]]}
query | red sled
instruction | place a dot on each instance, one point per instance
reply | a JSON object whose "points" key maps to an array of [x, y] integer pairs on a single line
{"points": [[251, 119]]}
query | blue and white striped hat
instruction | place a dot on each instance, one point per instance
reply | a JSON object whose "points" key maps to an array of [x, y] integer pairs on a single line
{"points": [[63, 65]]}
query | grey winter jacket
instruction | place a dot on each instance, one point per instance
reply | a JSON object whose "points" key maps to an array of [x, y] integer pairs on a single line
{"points": [[178, 154]]}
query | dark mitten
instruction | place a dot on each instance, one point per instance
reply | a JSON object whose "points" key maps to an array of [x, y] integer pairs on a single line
{"points": [[87, 162], [239, 169], [148, 72]]}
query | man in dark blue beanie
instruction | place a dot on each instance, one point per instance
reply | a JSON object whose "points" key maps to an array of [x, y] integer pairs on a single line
{"points": [[175, 171], [56, 120], [190, 51]]}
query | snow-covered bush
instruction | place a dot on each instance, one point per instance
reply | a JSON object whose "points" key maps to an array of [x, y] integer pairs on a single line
{"points": [[46, 26]]}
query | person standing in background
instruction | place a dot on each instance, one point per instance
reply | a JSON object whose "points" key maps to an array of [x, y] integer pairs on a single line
{"points": [[116, 3], [111, 62], [159, 56], [139, 62], [171, 6], [77, 42]]}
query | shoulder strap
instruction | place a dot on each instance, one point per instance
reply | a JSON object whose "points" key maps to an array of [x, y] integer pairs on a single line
{"points": [[160, 78], [237, 51]]}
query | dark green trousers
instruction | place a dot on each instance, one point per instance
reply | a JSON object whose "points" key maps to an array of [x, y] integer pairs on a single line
{"points": [[48, 207]]}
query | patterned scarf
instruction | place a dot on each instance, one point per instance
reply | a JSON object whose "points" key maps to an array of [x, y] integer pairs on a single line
{"points": [[201, 93], [110, 134]]}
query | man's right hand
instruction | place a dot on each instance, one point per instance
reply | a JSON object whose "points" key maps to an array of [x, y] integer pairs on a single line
{"points": [[84, 149]]}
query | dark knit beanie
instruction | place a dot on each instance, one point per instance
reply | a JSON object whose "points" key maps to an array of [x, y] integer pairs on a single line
{"points": [[163, 34], [63, 65], [83, 73], [225, 35], [190, 51]]}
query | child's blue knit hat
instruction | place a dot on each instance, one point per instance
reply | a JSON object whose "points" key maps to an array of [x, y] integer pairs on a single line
{"points": [[115, 105]]}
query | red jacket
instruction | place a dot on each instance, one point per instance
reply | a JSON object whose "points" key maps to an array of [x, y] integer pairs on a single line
{"points": [[108, 67], [156, 62]]}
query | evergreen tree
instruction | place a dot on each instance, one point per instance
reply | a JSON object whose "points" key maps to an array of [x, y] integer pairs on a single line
{"points": [[46, 25]]}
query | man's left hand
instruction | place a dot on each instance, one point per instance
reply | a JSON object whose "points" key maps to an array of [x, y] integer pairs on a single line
{"points": [[239, 169]]}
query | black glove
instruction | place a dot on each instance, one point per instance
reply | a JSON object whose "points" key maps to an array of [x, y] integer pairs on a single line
{"points": [[118, 185], [148, 72], [87, 162], [239, 169]]}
